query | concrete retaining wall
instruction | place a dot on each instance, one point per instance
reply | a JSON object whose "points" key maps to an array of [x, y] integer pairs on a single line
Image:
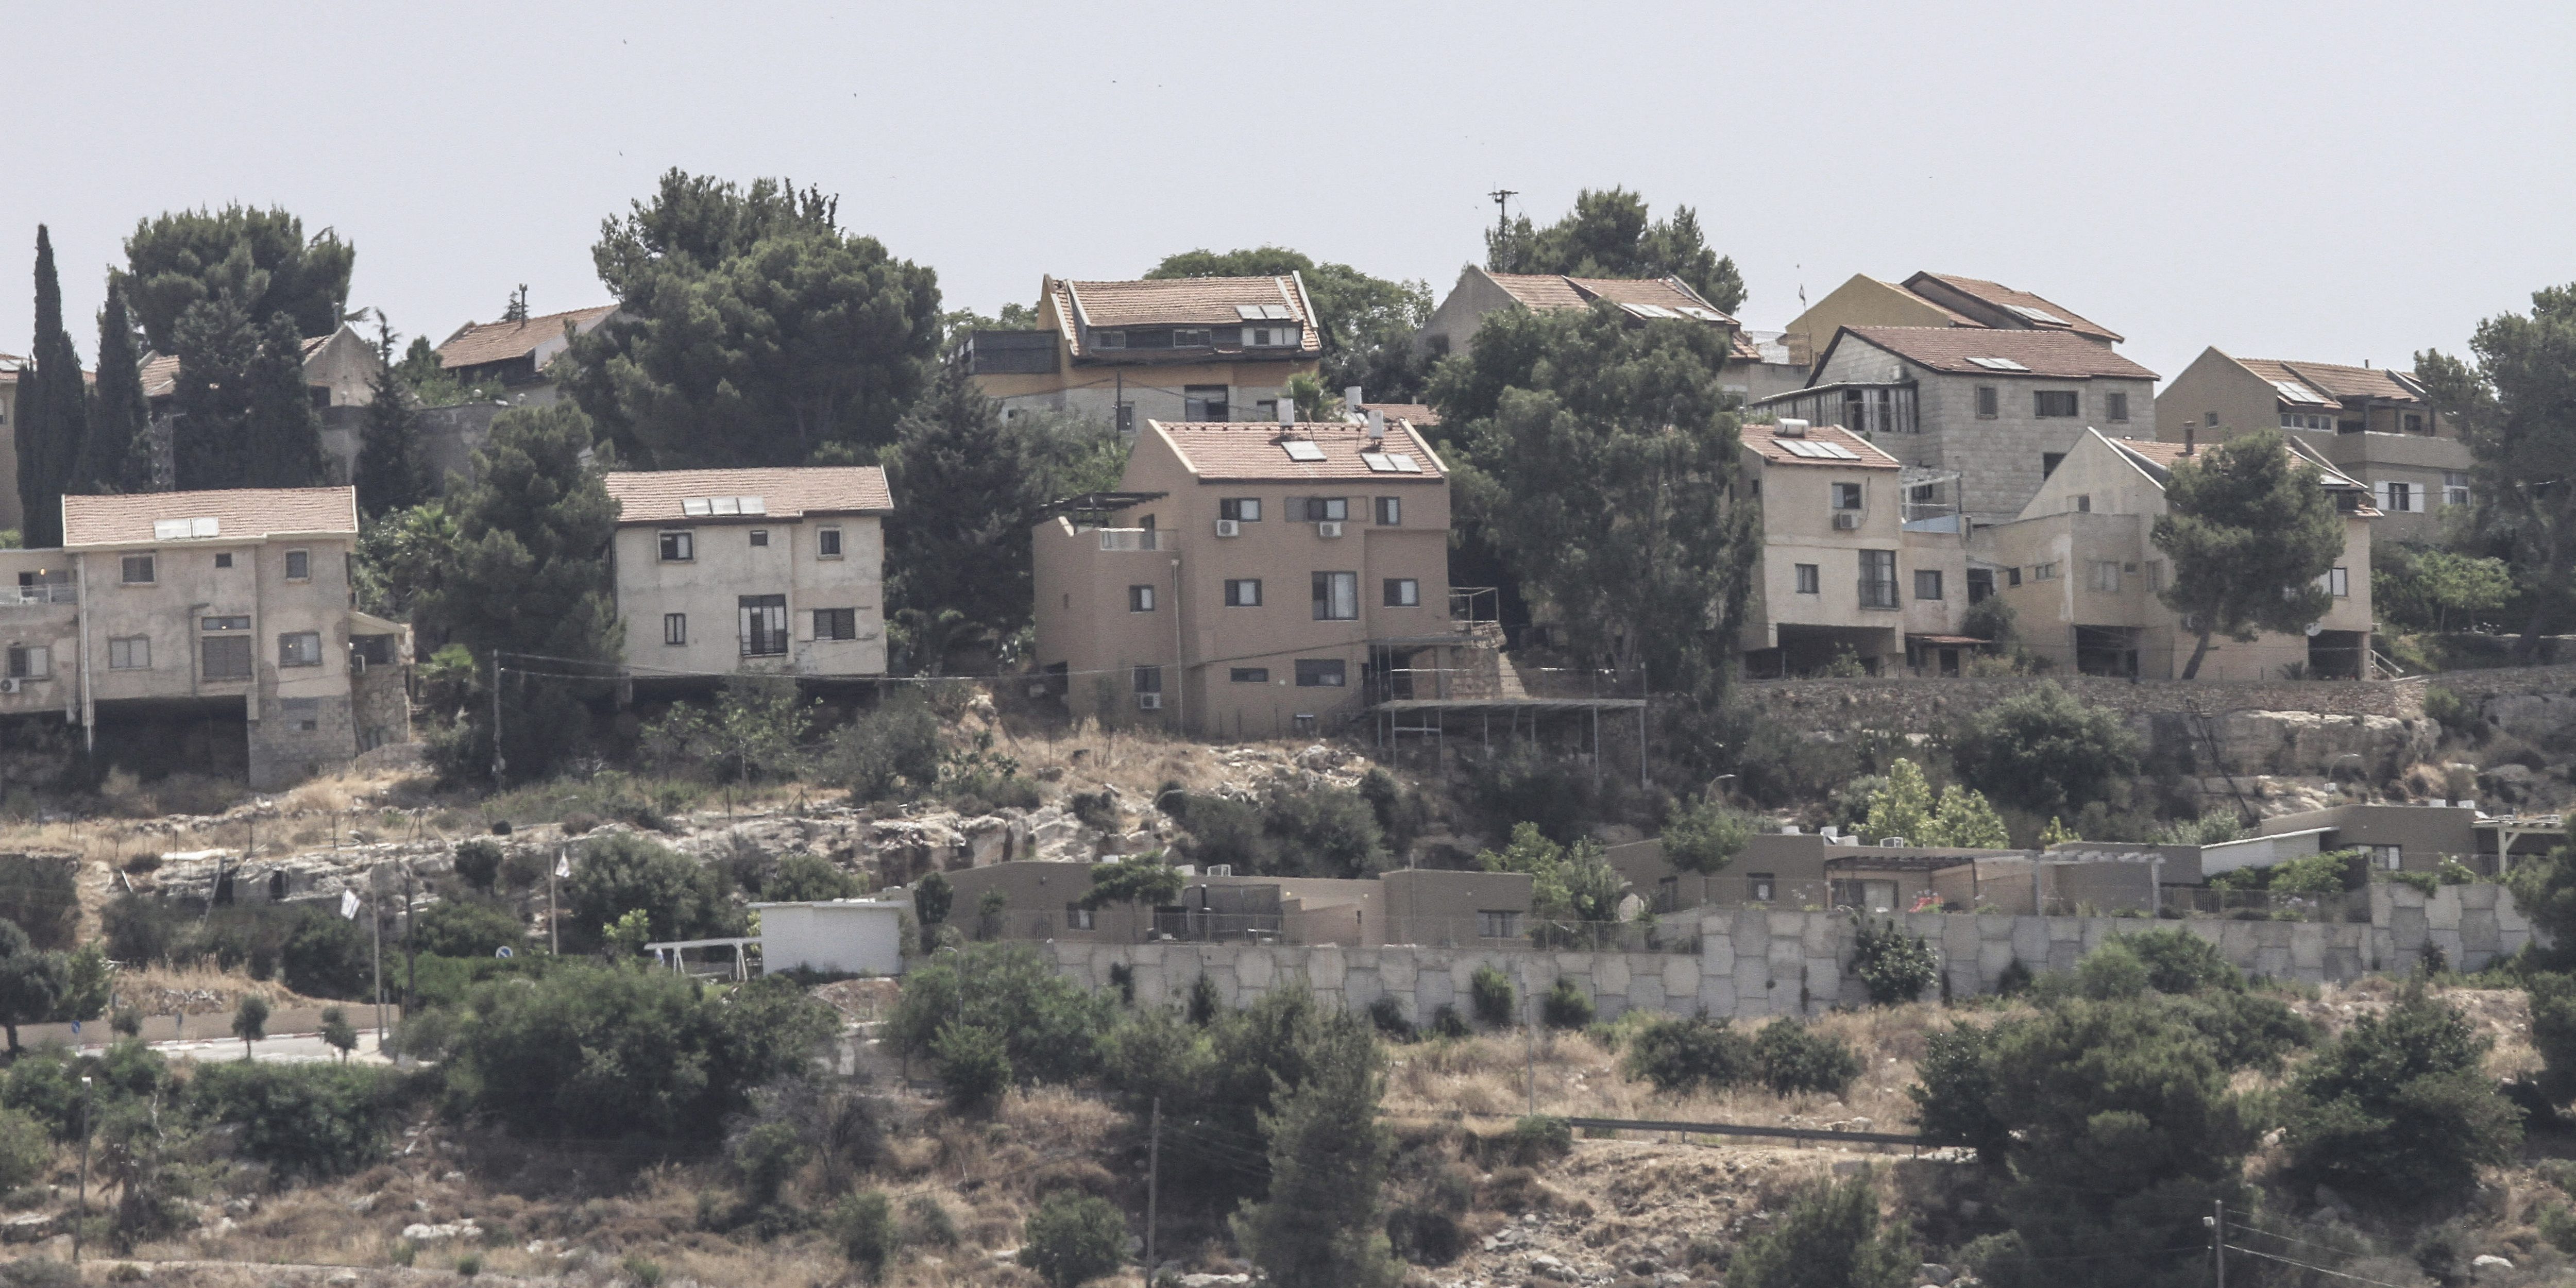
{"points": [[1755, 963]]}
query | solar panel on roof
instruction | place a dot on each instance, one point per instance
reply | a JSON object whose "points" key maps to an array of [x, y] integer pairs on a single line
{"points": [[1650, 310], [1300, 449], [1836, 450], [1704, 315], [1404, 463], [2296, 392], [1999, 364], [2038, 315], [697, 506], [1377, 462]]}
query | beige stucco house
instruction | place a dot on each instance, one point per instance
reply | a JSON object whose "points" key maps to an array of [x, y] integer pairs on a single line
{"points": [[1251, 580], [2082, 573], [515, 352], [2372, 423], [1753, 369], [1934, 299], [238, 600], [779, 571], [1169, 349], [1997, 407]]}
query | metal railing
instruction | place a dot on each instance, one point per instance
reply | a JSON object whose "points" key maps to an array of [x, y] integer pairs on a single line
{"points": [[1139, 539], [58, 593]]}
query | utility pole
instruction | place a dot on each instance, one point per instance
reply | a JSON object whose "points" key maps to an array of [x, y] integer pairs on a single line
{"points": [[1529, 1035], [376, 923], [2217, 1223], [411, 950], [1153, 1184], [1502, 199], [83, 1218], [554, 922], [498, 763]]}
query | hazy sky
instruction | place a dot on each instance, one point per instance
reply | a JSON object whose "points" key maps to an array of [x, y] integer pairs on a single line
{"points": [[2332, 181]]}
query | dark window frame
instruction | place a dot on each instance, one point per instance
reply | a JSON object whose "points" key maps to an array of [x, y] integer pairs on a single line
{"points": [[682, 540], [1312, 673]]}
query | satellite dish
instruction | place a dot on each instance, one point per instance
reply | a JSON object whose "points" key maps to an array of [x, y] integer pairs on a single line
{"points": [[502, 952], [2315, 629]]}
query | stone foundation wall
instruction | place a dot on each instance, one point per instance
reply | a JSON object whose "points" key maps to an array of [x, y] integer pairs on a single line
{"points": [[1754, 963], [284, 752], [1928, 706]]}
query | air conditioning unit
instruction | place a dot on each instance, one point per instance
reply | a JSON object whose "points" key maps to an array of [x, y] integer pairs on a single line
{"points": [[1847, 521], [10, 686], [1149, 702], [1229, 527], [1329, 528], [1220, 869]]}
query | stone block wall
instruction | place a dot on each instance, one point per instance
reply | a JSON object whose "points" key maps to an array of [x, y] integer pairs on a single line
{"points": [[1754, 963], [297, 738]]}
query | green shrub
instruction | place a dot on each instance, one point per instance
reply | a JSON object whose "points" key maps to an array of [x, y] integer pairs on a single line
{"points": [[1683, 1054], [863, 1225], [623, 872], [1830, 1235], [1893, 965], [806, 878], [2046, 752], [889, 753], [2179, 962], [932, 896], [2453, 872], [469, 1265], [2399, 1107], [2457, 716], [638, 1267], [2423, 883], [1792, 1057], [1490, 992], [308, 1121], [2245, 1031], [1387, 1015], [1073, 1239], [25, 1149], [1565, 1006], [926, 1222], [462, 928], [2111, 971], [1204, 1003], [327, 955], [2553, 1032], [1537, 1138], [1446, 1022], [41, 894], [478, 863], [1052, 1028], [974, 1064], [1954, 1093]]}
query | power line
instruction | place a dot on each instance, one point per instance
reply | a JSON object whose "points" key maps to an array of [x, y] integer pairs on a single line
{"points": [[2377, 1283]]}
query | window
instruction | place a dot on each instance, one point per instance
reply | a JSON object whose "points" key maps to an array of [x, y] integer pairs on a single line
{"points": [[679, 547], [2053, 403], [299, 565], [226, 648], [1981, 584], [2115, 406], [2455, 487], [1184, 337], [1109, 339], [2012, 576], [1249, 675], [1320, 673], [2049, 461], [1403, 592], [2106, 576], [306, 715], [1147, 679], [762, 625], [1846, 496], [224, 560], [299, 648], [130, 653], [759, 537], [30, 661], [1498, 924], [2336, 582], [1390, 512], [1988, 405], [2388, 857], [827, 543], [138, 570], [1077, 917], [2414, 422], [1327, 509], [1337, 596], [1140, 599], [1204, 402], [1878, 579], [1927, 583], [675, 628], [227, 623], [2155, 576], [1243, 592], [1760, 887], [1241, 509], [836, 623], [2083, 503], [1808, 580], [2399, 498]]}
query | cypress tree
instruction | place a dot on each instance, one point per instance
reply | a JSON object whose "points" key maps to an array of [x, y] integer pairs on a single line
{"points": [[283, 432], [117, 456], [53, 416], [392, 473], [216, 347]]}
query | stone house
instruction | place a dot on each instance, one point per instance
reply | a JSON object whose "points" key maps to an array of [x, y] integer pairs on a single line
{"points": [[1191, 349], [339, 375], [2372, 423], [1753, 369], [1998, 408], [1934, 299], [2082, 573], [515, 352], [1041, 901], [792, 558], [1790, 869], [169, 603]]}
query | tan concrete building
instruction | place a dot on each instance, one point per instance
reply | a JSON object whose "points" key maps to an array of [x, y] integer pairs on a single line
{"points": [[1425, 906], [218, 601], [1996, 407], [779, 571], [2082, 573], [339, 375], [1255, 580], [1754, 369], [515, 353], [1792, 869], [2376, 425], [1859, 554], [1934, 299], [1175, 349]]}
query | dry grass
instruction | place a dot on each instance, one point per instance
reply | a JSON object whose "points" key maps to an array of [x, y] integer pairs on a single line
{"points": [[199, 989]]}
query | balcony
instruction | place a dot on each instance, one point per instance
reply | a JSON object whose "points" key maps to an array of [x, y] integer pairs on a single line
{"points": [[1139, 539], [19, 596]]}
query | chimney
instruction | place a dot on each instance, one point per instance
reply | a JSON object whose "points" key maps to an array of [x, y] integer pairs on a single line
{"points": [[1287, 408], [1377, 426], [1351, 400]]}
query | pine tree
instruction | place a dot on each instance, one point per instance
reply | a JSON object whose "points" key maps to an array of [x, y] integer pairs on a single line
{"points": [[117, 457], [1322, 1225], [283, 432], [53, 415], [392, 473], [216, 347]]}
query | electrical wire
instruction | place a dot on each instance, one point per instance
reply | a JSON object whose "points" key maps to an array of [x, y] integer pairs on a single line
{"points": [[2376, 1283], [2247, 1224]]}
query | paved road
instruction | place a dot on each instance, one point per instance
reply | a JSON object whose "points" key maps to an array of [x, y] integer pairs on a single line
{"points": [[291, 1048]]}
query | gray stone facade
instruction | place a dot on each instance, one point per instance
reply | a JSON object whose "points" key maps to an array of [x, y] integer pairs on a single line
{"points": [[1754, 963], [297, 738]]}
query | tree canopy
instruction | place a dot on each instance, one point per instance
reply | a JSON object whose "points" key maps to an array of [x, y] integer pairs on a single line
{"points": [[117, 456], [1601, 456], [393, 472], [2516, 409], [1609, 234], [2045, 751], [752, 329], [259, 259], [2250, 532], [1367, 323]]}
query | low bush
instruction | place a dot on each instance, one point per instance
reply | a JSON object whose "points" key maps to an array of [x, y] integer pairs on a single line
{"points": [[1536, 1139], [1387, 1015], [1565, 1006], [25, 1149], [467, 928], [1051, 1029], [305, 1121], [1893, 965], [1490, 992], [1791, 1057], [974, 1065], [2399, 1107], [1683, 1054], [478, 863], [1446, 1022], [864, 1227], [1073, 1239], [1829, 1235]]}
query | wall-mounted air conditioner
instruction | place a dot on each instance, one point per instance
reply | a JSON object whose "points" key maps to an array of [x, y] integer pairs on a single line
{"points": [[1229, 527], [1847, 521], [10, 686], [1149, 702], [1329, 528]]}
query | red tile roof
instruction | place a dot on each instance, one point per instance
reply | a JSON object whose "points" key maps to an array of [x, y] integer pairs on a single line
{"points": [[1251, 451], [1541, 290], [1183, 301], [160, 371], [2011, 301], [477, 343], [2055, 355], [2165, 456], [1552, 291], [1413, 413], [655, 496], [1766, 440], [239, 514], [2336, 381]]}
